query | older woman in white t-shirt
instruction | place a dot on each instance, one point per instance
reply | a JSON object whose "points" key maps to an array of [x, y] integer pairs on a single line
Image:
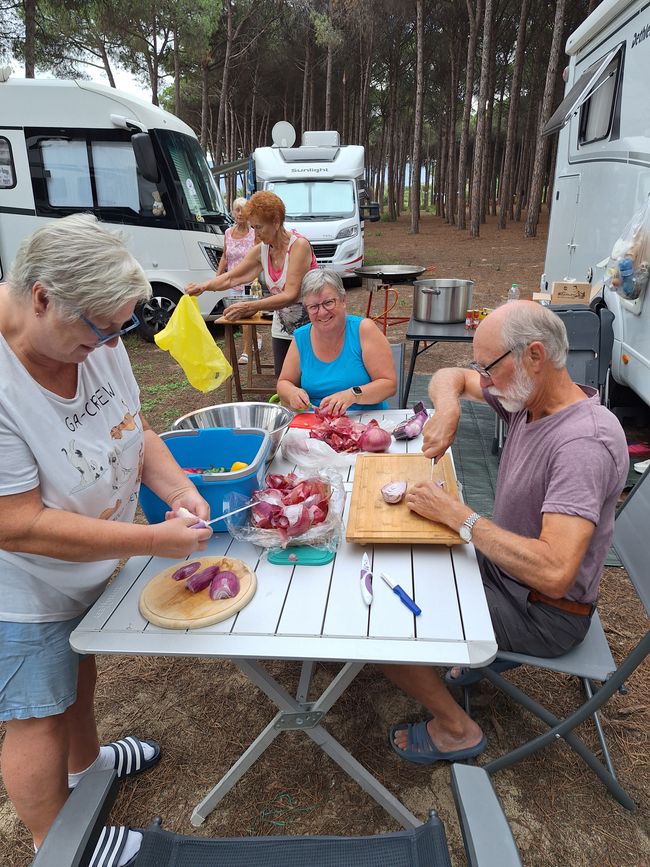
{"points": [[75, 447]]}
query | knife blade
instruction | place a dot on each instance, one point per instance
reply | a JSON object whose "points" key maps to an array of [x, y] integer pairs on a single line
{"points": [[401, 594], [366, 580], [202, 525]]}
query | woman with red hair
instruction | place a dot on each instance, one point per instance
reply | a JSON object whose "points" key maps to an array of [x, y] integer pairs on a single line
{"points": [[283, 258]]}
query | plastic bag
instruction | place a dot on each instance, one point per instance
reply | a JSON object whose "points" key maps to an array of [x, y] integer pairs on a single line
{"points": [[628, 267], [188, 341], [301, 449], [324, 535]]}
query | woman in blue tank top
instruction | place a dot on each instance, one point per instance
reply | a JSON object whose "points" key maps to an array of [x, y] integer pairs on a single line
{"points": [[338, 362]]}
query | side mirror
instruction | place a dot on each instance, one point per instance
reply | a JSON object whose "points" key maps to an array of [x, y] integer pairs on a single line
{"points": [[370, 212], [145, 157]]}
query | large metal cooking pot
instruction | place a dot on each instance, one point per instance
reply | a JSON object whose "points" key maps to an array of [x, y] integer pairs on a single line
{"points": [[440, 301]]}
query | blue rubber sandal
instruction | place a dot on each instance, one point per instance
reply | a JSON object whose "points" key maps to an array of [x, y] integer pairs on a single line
{"points": [[421, 750], [470, 676]]}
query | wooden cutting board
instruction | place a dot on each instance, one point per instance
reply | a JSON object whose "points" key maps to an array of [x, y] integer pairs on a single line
{"points": [[170, 604], [373, 521]]}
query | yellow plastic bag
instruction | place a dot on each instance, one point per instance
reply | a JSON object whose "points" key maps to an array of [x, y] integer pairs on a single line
{"points": [[188, 341]]}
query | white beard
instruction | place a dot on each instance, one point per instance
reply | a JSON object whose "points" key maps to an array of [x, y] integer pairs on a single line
{"points": [[516, 396]]}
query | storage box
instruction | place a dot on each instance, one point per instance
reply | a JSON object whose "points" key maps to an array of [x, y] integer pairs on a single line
{"points": [[569, 292], [208, 447]]}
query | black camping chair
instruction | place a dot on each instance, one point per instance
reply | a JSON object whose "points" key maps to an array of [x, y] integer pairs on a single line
{"points": [[486, 834], [592, 660]]}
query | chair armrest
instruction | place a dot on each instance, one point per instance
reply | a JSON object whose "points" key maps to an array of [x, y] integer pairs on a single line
{"points": [[486, 833], [72, 838]]}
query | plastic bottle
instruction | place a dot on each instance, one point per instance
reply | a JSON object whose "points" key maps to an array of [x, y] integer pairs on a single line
{"points": [[626, 271], [513, 292], [256, 289]]}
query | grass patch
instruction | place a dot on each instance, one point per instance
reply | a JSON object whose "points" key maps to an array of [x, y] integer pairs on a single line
{"points": [[373, 256], [164, 387]]}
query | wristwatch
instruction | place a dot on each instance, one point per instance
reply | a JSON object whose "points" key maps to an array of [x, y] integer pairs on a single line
{"points": [[356, 390], [465, 531]]}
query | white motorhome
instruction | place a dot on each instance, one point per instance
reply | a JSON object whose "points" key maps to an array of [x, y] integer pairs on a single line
{"points": [[603, 167], [322, 185], [76, 146]]}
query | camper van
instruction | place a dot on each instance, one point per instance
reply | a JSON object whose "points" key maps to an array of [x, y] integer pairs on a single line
{"points": [[76, 146], [322, 185], [603, 168]]}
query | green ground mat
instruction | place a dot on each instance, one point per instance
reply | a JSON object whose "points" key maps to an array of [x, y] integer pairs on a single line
{"points": [[476, 465]]}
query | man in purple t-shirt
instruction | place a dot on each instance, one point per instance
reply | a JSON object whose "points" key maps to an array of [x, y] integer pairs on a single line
{"points": [[562, 470]]}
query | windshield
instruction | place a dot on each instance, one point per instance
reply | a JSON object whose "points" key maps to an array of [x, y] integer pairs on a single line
{"points": [[202, 196], [316, 200]]}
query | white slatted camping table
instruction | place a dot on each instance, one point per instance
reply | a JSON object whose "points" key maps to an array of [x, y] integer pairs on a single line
{"points": [[314, 613]]}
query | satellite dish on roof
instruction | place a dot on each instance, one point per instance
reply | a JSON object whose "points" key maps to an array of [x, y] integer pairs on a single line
{"points": [[283, 134]]}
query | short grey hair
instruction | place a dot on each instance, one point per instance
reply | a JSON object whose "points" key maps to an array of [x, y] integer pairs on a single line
{"points": [[527, 323], [237, 203], [82, 266], [315, 281]]}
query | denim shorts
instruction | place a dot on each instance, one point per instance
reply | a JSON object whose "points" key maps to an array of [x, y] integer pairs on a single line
{"points": [[38, 669]]}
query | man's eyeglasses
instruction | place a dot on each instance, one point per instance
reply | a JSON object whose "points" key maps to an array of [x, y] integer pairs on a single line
{"points": [[330, 304], [104, 338], [485, 371]]}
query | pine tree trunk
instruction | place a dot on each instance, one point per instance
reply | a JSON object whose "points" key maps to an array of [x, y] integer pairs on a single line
{"points": [[505, 196], [177, 73], [304, 112], [479, 143], [30, 37], [539, 161], [417, 127], [328, 87], [474, 19], [451, 154], [205, 107]]}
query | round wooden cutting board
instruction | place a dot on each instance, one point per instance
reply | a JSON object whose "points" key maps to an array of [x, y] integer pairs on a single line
{"points": [[170, 604]]}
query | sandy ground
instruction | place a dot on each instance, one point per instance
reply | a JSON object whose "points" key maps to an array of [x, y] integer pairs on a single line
{"points": [[205, 713]]}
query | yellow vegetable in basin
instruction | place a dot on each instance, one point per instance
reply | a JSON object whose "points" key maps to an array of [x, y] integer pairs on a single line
{"points": [[238, 465]]}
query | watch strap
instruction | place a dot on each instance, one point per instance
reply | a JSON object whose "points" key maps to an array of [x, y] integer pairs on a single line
{"points": [[470, 521]]}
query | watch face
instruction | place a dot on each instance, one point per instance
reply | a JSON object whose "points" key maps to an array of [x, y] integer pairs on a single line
{"points": [[465, 533], [356, 390]]}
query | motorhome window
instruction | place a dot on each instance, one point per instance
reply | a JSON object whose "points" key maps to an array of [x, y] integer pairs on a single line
{"points": [[200, 190], [67, 173], [116, 175], [596, 113], [316, 200], [7, 169]]}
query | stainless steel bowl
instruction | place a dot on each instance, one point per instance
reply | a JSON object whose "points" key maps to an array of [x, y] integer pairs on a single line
{"points": [[269, 417], [233, 299]]}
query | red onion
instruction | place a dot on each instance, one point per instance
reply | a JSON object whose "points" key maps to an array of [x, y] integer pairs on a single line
{"points": [[225, 585], [394, 492], [412, 426], [186, 570], [374, 438], [200, 580]]}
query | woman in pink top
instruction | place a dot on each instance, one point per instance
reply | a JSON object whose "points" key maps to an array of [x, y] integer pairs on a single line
{"points": [[283, 258], [238, 241]]}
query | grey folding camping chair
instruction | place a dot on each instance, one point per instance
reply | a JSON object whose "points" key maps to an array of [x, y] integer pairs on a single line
{"points": [[592, 660], [591, 338], [486, 835], [397, 400]]}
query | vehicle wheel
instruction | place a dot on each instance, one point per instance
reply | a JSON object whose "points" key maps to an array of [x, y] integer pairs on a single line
{"points": [[154, 314]]}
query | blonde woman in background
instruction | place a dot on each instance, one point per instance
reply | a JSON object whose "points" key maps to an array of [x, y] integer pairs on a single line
{"points": [[238, 241]]}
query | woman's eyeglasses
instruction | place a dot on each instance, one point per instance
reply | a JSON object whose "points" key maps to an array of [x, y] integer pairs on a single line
{"points": [[104, 338], [330, 304]]}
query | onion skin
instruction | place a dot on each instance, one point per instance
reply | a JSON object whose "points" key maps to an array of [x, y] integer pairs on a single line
{"points": [[186, 571], [394, 492], [224, 585], [200, 580]]}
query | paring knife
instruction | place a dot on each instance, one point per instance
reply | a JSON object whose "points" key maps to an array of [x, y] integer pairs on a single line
{"points": [[201, 525], [366, 580], [401, 594]]}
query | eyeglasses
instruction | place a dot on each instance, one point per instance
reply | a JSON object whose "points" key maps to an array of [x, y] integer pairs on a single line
{"points": [[485, 371], [104, 338], [330, 304]]}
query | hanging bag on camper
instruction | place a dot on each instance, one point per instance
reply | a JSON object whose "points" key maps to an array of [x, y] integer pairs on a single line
{"points": [[188, 341], [628, 268]]}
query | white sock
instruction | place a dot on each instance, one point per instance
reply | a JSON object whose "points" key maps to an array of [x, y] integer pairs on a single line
{"points": [[131, 847], [104, 761]]}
